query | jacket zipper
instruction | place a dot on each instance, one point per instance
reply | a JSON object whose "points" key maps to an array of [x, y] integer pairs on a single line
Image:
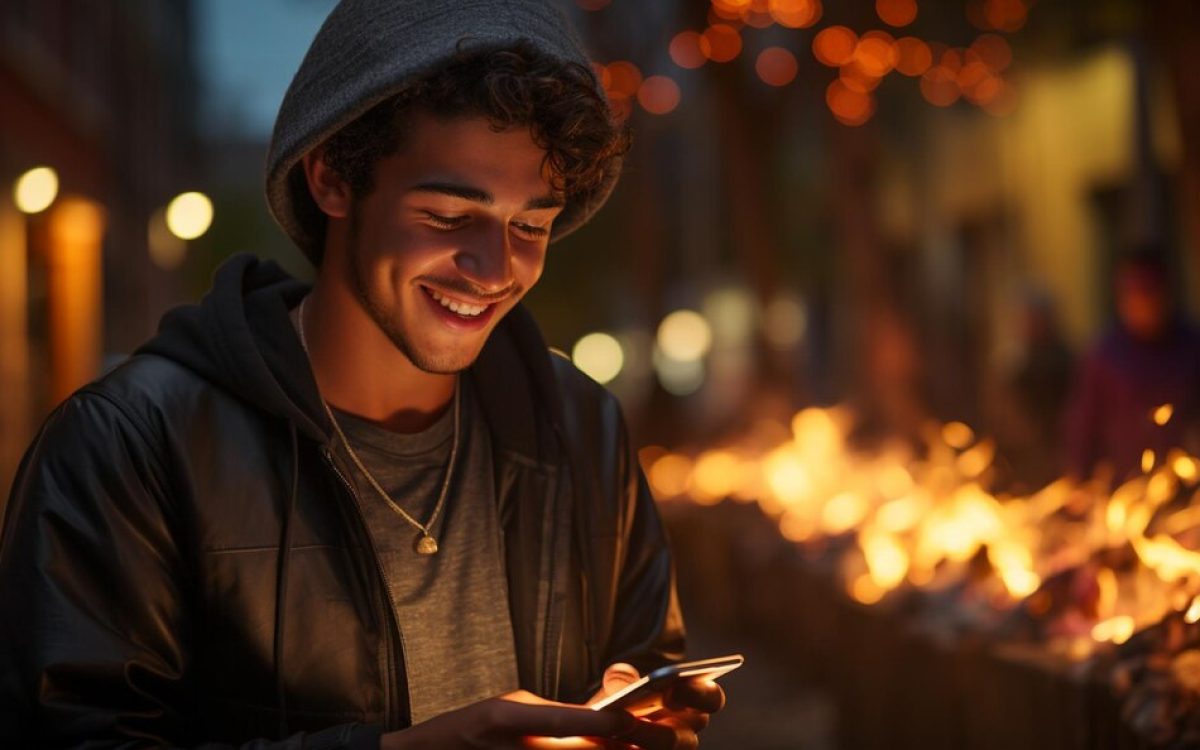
{"points": [[389, 680]]}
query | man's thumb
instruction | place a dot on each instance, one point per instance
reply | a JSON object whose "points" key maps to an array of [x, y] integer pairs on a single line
{"points": [[618, 676]]}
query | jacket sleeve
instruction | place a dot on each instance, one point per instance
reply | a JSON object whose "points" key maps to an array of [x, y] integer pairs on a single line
{"points": [[647, 627], [95, 620]]}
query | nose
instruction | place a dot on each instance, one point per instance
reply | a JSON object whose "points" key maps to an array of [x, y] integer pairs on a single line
{"points": [[486, 261]]}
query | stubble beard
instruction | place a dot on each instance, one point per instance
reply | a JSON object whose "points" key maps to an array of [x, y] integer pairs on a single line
{"points": [[390, 325]]}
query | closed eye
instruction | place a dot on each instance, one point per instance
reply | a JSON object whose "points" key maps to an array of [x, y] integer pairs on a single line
{"points": [[446, 222], [530, 230]]}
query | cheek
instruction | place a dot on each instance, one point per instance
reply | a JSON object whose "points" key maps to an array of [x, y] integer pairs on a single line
{"points": [[528, 265]]}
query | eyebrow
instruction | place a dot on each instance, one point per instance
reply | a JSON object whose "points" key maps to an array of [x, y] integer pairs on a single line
{"points": [[476, 195]]}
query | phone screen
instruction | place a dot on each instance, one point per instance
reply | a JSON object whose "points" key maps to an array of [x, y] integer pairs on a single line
{"points": [[646, 694]]}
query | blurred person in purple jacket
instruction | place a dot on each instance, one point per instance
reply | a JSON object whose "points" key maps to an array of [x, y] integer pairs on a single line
{"points": [[1151, 357]]}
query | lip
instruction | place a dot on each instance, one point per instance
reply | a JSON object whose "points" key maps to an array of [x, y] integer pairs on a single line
{"points": [[452, 319]]}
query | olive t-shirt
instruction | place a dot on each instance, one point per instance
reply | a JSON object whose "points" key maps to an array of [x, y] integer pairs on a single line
{"points": [[452, 606]]}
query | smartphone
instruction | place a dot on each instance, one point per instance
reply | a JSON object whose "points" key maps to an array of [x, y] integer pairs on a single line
{"points": [[646, 694]]}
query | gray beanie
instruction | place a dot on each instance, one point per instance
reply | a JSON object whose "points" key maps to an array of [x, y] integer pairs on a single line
{"points": [[370, 50]]}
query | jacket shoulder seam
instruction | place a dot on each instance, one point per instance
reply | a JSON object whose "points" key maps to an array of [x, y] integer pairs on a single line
{"points": [[143, 431]]}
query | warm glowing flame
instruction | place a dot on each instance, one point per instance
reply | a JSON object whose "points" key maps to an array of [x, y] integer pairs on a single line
{"points": [[927, 518], [1192, 616], [1162, 414], [1115, 629]]}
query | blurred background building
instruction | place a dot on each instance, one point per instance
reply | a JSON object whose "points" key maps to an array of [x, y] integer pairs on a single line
{"points": [[99, 104]]}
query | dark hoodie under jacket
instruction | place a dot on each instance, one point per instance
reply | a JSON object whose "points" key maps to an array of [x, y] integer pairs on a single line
{"points": [[183, 562]]}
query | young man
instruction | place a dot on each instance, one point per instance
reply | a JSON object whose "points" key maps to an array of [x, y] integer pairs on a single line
{"points": [[376, 512]]}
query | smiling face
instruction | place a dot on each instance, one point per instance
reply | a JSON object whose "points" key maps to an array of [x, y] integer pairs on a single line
{"points": [[452, 234]]}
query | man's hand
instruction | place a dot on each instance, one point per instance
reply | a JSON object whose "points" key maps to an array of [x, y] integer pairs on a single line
{"points": [[686, 705], [523, 720]]}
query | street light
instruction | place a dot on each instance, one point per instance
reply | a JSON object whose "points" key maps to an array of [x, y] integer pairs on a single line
{"points": [[189, 215], [599, 355], [35, 190]]}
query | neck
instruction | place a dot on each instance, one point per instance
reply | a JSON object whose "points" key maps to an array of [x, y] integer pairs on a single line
{"points": [[360, 371]]}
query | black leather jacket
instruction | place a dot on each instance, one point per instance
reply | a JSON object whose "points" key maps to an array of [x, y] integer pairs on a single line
{"points": [[184, 562]]}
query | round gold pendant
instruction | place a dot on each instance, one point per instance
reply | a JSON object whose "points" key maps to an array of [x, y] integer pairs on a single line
{"points": [[426, 545]]}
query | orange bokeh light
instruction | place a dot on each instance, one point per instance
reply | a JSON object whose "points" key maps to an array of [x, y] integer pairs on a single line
{"points": [[971, 75], [795, 14], [724, 42], [658, 95], [993, 50], [1004, 102], [855, 78], [896, 12], [939, 86], [984, 91], [623, 79], [730, 9], [951, 59], [834, 46], [689, 49], [875, 53], [913, 56], [757, 19], [776, 66], [1005, 15], [848, 106]]}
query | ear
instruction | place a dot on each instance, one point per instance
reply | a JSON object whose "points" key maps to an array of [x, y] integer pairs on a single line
{"points": [[328, 189]]}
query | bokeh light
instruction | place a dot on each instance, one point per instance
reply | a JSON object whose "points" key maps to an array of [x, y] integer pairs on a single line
{"points": [[758, 19], [599, 355], [724, 42], [670, 475], [850, 107], [776, 66], [689, 49], [834, 46], [189, 215], [622, 79], [1005, 15], [875, 53], [994, 51], [658, 95], [855, 78], [1005, 101], [939, 86], [896, 12], [913, 56], [784, 322], [733, 313], [684, 336], [678, 377], [35, 190], [795, 14]]}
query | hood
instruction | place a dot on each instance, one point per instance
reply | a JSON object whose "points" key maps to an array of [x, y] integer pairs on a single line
{"points": [[239, 337]]}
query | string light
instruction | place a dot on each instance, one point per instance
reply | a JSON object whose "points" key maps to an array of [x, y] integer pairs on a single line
{"points": [[776, 66], [658, 95], [946, 75]]}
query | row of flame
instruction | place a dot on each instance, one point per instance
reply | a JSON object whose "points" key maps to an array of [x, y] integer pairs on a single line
{"points": [[920, 520]]}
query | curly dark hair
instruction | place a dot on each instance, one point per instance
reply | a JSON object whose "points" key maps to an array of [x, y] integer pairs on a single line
{"points": [[517, 85]]}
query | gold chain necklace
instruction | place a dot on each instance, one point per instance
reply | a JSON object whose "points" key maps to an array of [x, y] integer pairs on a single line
{"points": [[425, 544]]}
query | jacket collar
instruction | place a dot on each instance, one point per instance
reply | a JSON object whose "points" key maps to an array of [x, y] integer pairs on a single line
{"points": [[518, 392]]}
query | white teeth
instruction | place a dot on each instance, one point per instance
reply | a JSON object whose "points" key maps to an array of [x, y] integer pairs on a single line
{"points": [[462, 308]]}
